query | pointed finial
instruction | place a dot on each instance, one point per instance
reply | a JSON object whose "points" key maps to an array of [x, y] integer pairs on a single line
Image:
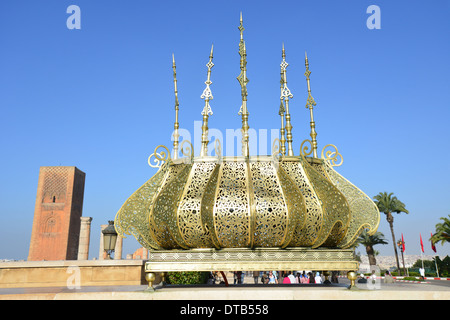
{"points": [[286, 95], [310, 103], [176, 135], [207, 95], [242, 78], [281, 112], [241, 27]]}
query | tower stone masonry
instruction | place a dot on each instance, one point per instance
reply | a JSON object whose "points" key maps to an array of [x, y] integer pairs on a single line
{"points": [[57, 216]]}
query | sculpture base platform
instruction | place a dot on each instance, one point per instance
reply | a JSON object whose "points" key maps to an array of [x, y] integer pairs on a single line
{"points": [[242, 259]]}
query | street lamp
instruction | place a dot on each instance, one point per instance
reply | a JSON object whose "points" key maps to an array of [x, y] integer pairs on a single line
{"points": [[400, 245], [109, 239]]}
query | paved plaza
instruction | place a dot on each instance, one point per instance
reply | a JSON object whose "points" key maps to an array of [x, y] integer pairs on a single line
{"points": [[431, 290]]}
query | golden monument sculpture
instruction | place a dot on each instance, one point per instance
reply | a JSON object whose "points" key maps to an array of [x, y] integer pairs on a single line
{"points": [[265, 212]]}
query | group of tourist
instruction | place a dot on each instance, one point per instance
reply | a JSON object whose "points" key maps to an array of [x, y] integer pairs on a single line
{"points": [[300, 277], [277, 277], [280, 277]]}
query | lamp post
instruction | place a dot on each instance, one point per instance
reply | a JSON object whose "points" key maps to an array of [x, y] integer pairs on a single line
{"points": [[400, 245], [109, 239]]}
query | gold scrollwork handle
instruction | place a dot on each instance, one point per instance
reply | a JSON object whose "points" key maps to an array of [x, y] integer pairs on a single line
{"points": [[218, 148], [304, 149], [159, 157], [276, 147], [276, 150], [187, 151], [332, 156]]}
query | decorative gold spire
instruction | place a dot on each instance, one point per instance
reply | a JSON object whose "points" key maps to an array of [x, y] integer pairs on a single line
{"points": [[207, 95], [176, 135], [285, 95], [243, 80], [310, 103], [281, 112]]}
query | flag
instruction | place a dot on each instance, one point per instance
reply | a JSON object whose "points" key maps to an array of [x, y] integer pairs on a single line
{"points": [[432, 244], [403, 244], [421, 243]]}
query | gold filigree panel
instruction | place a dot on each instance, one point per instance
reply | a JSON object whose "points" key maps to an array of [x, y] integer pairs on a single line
{"points": [[306, 235], [207, 206], [365, 214], [247, 203], [270, 210], [189, 213], [336, 211], [132, 218], [231, 207], [163, 216], [295, 204]]}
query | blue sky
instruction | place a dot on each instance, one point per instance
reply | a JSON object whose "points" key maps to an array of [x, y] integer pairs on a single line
{"points": [[101, 98]]}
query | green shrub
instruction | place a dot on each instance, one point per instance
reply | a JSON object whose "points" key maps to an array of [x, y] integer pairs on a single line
{"points": [[187, 277], [412, 278]]}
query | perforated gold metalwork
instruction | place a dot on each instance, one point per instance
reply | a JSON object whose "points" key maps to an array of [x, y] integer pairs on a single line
{"points": [[271, 216], [365, 214], [247, 203], [306, 235], [189, 210], [163, 222], [336, 211], [231, 206], [296, 207], [133, 218]]}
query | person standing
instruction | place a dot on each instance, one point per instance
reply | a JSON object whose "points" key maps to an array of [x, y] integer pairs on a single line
{"points": [[388, 278], [422, 273], [255, 276], [311, 278], [272, 278], [239, 277], [292, 278], [304, 278], [318, 278]]}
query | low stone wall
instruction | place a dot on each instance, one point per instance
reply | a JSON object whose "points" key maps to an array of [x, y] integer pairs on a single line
{"points": [[71, 273]]}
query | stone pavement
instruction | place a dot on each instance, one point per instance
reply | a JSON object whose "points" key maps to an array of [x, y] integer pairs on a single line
{"points": [[247, 292]]}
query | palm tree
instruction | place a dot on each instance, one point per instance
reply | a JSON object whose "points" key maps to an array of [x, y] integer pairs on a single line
{"points": [[369, 242], [442, 233], [388, 204]]}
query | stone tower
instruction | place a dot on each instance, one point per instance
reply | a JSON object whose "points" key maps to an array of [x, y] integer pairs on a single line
{"points": [[57, 214]]}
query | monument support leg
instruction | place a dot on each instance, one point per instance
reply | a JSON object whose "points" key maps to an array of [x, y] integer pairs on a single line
{"points": [[163, 278], [150, 277], [352, 276]]}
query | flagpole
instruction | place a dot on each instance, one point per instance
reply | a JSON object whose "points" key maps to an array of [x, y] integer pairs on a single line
{"points": [[421, 254], [435, 258], [407, 269]]}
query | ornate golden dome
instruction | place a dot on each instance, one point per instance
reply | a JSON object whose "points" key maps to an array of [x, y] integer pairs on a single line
{"points": [[275, 201]]}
